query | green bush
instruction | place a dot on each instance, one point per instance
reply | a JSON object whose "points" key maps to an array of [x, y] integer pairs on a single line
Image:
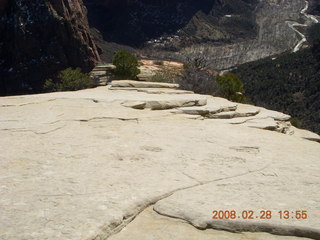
{"points": [[295, 122], [199, 81], [73, 79], [126, 64], [231, 87], [69, 80], [49, 85]]}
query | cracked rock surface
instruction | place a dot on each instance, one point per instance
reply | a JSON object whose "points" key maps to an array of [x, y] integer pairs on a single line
{"points": [[80, 165], [163, 228]]}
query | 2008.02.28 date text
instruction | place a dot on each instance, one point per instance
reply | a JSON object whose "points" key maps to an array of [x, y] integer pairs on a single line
{"points": [[263, 214]]}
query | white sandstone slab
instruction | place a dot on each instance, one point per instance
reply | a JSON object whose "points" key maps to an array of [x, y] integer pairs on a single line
{"points": [[159, 227], [142, 84], [79, 165]]}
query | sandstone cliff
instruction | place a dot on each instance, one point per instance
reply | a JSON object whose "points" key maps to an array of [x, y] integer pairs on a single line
{"points": [[38, 38]]}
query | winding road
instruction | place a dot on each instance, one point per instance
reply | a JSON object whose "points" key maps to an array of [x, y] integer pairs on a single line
{"points": [[292, 25]]}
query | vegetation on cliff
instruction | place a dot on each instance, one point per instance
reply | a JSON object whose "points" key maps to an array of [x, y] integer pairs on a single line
{"points": [[314, 39], [290, 84], [231, 87], [69, 80], [198, 78]]}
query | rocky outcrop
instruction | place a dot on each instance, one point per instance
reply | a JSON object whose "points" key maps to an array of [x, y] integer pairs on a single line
{"points": [[99, 157], [39, 38], [164, 96], [141, 84]]}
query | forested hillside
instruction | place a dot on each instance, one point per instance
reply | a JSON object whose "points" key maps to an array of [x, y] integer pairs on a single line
{"points": [[290, 83]]}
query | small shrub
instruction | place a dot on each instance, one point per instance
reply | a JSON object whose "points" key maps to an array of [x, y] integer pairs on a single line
{"points": [[295, 122], [231, 87], [166, 75], [126, 64], [49, 85], [197, 80], [69, 80], [199, 63], [161, 77], [73, 79]]}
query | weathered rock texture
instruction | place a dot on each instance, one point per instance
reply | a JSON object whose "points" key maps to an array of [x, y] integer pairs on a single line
{"points": [[80, 165], [165, 228], [138, 84], [38, 38]]}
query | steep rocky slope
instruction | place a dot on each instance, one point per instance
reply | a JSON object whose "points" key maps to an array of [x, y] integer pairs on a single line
{"points": [[38, 38], [172, 25], [225, 32], [290, 83], [136, 22]]}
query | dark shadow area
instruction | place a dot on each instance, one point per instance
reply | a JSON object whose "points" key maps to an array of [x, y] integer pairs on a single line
{"points": [[314, 7], [134, 23], [38, 39], [139, 21]]}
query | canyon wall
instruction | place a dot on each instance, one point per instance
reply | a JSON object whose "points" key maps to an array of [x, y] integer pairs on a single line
{"points": [[274, 36], [40, 37], [225, 32], [141, 23]]}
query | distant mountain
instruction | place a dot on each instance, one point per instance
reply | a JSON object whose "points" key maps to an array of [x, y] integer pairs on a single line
{"points": [[135, 23], [225, 32], [38, 38]]}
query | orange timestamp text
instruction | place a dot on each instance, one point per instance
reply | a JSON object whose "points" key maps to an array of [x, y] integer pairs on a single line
{"points": [[263, 214]]}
